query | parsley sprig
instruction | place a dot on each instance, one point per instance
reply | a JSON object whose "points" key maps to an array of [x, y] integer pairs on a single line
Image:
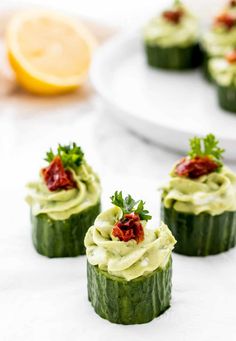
{"points": [[207, 146], [129, 205], [71, 155], [177, 2]]}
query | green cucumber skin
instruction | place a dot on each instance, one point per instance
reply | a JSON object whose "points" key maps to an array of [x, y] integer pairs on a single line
{"points": [[174, 58], [203, 234], [134, 302], [62, 238], [227, 98]]}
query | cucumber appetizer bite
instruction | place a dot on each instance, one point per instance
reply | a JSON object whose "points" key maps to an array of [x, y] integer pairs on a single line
{"points": [[220, 38], [64, 203], [171, 39], [199, 202], [223, 71], [129, 266]]}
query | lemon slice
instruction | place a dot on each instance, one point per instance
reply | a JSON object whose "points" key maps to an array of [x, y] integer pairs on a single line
{"points": [[49, 52]]}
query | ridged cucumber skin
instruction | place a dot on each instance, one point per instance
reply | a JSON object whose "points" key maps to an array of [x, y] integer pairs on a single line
{"points": [[129, 302], [227, 97], [202, 234], [174, 58], [62, 238]]}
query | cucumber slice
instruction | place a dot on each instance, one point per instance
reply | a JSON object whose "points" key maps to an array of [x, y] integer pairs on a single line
{"points": [[62, 238], [227, 97], [137, 301], [202, 234], [174, 58]]}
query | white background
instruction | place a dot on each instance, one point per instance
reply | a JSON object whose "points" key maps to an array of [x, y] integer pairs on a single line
{"points": [[46, 299]]}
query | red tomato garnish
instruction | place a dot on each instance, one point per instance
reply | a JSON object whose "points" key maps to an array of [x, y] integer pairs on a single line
{"points": [[232, 3], [129, 227], [56, 177], [231, 57], [226, 20], [194, 168], [174, 16]]}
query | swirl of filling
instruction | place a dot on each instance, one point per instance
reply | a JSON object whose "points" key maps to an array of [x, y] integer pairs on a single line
{"points": [[167, 33], [130, 259], [220, 39], [223, 70], [61, 204], [214, 193]]}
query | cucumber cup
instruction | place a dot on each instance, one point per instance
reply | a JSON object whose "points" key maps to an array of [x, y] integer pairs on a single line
{"points": [[134, 302], [62, 238], [171, 40], [199, 202], [129, 267], [223, 71], [227, 97], [174, 57], [219, 39], [64, 203], [202, 234]]}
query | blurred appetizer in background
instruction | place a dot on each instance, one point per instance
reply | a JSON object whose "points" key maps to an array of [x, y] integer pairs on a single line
{"points": [[231, 6], [171, 39], [49, 53], [220, 38], [64, 203], [199, 202], [223, 72], [126, 262]]}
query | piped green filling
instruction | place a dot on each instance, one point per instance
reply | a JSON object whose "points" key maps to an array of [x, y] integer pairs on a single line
{"points": [[161, 32], [130, 259], [214, 193], [61, 204]]}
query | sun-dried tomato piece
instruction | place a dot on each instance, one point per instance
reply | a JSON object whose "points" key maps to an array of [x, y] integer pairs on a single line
{"points": [[231, 57], [196, 167], [232, 3], [129, 227], [56, 177], [173, 16], [225, 19]]}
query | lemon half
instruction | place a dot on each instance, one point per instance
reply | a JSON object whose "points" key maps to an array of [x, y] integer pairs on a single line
{"points": [[49, 52]]}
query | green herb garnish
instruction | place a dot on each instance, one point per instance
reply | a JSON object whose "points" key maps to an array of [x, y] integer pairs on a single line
{"points": [[129, 205], [207, 146], [71, 155], [177, 2]]}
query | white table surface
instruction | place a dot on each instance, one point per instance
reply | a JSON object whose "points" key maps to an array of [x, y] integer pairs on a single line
{"points": [[46, 299]]}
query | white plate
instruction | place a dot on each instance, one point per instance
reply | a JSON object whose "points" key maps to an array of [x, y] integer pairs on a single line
{"points": [[166, 107]]}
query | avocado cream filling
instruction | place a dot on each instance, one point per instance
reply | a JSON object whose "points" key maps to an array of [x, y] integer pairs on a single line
{"points": [[130, 259], [161, 32], [214, 193], [218, 41], [223, 72], [61, 204]]}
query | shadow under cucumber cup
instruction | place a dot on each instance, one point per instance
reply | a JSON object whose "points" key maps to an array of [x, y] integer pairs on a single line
{"points": [[199, 202], [129, 266], [64, 203], [171, 40]]}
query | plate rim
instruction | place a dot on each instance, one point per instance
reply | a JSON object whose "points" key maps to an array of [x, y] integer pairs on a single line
{"points": [[98, 82]]}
